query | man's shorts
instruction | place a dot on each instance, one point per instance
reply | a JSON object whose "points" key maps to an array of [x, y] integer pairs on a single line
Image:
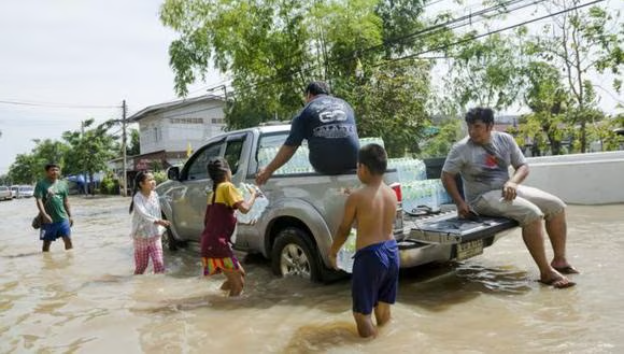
{"points": [[50, 232], [374, 276], [529, 205]]}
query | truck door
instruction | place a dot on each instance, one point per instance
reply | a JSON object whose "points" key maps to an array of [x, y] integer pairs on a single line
{"points": [[189, 210]]}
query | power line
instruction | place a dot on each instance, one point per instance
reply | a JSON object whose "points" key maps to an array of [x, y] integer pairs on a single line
{"points": [[55, 105], [473, 38]]}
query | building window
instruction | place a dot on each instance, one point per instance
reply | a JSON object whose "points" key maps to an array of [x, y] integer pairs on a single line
{"points": [[187, 121], [217, 121]]}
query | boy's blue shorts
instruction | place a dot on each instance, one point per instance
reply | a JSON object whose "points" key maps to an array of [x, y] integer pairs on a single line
{"points": [[374, 276], [50, 232]]}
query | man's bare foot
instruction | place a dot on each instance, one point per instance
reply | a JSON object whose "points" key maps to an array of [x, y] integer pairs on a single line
{"points": [[556, 280]]}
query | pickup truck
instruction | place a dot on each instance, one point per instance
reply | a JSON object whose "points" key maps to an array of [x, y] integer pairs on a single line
{"points": [[304, 209]]}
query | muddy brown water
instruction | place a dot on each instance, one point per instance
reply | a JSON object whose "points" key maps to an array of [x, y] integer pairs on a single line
{"points": [[88, 301]]}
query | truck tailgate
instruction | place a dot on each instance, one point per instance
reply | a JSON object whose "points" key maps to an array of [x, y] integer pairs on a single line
{"points": [[448, 228]]}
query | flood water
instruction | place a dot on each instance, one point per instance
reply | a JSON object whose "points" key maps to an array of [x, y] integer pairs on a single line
{"points": [[88, 301]]}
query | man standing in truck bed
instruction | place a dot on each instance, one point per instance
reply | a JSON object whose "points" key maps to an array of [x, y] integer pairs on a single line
{"points": [[329, 126]]}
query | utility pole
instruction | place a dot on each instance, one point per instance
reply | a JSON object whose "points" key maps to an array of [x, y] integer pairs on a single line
{"points": [[124, 168], [82, 138]]}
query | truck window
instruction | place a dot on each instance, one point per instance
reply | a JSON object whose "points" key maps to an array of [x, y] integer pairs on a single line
{"points": [[197, 168], [268, 148], [233, 154]]}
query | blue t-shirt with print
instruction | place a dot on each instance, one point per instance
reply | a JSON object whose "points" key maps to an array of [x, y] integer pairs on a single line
{"points": [[329, 126]]}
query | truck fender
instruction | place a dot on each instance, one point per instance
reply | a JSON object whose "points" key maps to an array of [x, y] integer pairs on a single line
{"points": [[304, 212]]}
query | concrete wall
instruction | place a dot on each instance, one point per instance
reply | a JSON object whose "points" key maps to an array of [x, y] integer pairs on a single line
{"points": [[590, 179]]}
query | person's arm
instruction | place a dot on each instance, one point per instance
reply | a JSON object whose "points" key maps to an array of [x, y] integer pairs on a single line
{"points": [[449, 182], [452, 166], [344, 229], [246, 206], [68, 210], [40, 205], [42, 210], [521, 170], [510, 187], [284, 155], [140, 209]]}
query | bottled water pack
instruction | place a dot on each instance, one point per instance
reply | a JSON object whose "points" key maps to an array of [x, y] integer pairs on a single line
{"points": [[345, 257], [260, 204]]}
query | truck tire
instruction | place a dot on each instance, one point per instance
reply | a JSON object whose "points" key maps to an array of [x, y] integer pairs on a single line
{"points": [[293, 255]]}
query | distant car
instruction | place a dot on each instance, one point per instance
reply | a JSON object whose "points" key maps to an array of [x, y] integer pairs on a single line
{"points": [[5, 193], [26, 191], [15, 189]]}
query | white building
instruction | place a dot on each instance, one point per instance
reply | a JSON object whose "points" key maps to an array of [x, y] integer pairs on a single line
{"points": [[167, 131]]}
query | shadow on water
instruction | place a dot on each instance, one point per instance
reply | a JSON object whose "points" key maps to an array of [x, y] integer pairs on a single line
{"points": [[439, 286]]}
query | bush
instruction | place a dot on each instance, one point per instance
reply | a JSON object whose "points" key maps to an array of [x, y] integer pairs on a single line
{"points": [[109, 185], [160, 177]]}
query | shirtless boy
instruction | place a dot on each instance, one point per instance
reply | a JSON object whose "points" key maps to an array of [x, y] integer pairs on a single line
{"points": [[376, 263]]}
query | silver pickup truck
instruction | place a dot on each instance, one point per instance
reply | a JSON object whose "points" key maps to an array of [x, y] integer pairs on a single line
{"points": [[305, 209]]}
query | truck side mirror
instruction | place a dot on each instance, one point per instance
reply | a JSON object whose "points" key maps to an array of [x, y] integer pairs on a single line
{"points": [[173, 173]]}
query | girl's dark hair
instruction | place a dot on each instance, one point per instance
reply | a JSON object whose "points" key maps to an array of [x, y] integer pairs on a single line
{"points": [[373, 156], [140, 177], [217, 170]]}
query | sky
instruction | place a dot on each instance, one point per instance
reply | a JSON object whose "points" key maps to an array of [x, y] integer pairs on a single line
{"points": [[71, 60], [79, 53]]}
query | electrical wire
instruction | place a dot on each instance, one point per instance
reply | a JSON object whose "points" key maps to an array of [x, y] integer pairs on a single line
{"points": [[55, 105]]}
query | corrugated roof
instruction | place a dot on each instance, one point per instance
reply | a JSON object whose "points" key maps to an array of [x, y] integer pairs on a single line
{"points": [[154, 109]]}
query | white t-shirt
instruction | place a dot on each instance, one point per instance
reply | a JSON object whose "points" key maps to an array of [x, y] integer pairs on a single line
{"points": [[145, 211]]}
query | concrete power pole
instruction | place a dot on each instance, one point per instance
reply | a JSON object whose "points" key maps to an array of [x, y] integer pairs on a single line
{"points": [[124, 168]]}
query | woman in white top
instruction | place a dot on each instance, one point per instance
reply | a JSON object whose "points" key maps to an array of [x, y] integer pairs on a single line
{"points": [[147, 225]]}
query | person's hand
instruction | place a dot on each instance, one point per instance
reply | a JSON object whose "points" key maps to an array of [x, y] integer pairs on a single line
{"points": [[333, 263], [253, 191], [463, 210], [508, 191], [47, 219], [71, 221], [164, 223], [262, 176]]}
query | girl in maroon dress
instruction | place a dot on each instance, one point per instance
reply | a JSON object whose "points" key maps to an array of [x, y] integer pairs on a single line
{"points": [[219, 225]]}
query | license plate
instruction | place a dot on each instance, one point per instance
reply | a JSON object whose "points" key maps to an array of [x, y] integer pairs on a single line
{"points": [[469, 249], [399, 220]]}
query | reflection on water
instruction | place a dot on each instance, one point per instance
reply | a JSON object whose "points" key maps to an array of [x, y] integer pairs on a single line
{"points": [[87, 300]]}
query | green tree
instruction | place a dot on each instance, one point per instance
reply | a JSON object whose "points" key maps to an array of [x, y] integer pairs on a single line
{"points": [[579, 43], [26, 169], [90, 149], [549, 100], [134, 148], [391, 105], [272, 49], [440, 144], [486, 72]]}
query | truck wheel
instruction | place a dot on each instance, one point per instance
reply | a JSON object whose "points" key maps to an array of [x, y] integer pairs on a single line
{"points": [[292, 255]]}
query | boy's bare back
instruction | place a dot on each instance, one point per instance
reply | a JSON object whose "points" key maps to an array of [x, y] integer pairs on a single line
{"points": [[376, 206]]}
